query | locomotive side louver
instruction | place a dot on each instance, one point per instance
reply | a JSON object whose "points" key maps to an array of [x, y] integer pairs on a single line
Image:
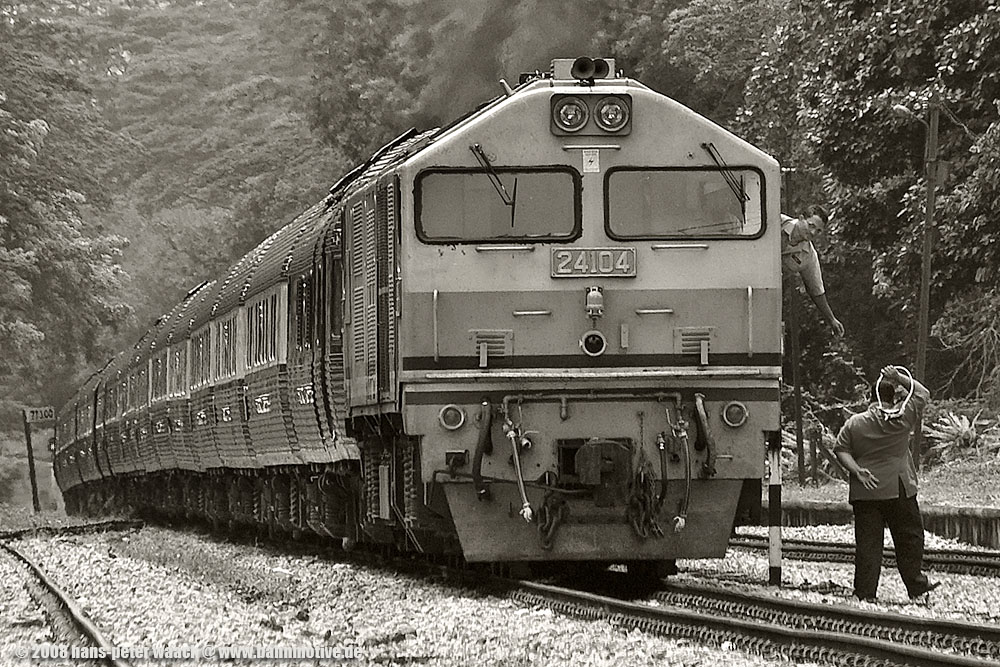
{"points": [[357, 259], [694, 340], [491, 343], [371, 305]]}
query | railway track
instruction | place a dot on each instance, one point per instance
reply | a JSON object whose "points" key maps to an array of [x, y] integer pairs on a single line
{"points": [[983, 563], [67, 619], [756, 624], [73, 529], [780, 629], [752, 623]]}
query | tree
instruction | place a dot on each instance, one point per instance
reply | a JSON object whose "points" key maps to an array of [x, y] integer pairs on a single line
{"points": [[825, 95], [59, 278]]}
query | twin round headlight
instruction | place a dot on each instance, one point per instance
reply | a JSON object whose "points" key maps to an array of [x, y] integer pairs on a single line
{"points": [[611, 113]]}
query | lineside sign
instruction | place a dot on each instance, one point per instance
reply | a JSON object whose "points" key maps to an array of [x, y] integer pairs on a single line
{"points": [[34, 415]]}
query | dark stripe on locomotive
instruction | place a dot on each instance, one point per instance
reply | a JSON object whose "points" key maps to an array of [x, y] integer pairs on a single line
{"points": [[748, 394], [582, 361]]}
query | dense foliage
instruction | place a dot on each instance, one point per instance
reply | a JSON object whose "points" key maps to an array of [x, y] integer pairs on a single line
{"points": [[187, 130], [60, 279]]}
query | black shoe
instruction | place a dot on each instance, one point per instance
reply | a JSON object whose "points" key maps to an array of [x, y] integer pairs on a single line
{"points": [[926, 588]]}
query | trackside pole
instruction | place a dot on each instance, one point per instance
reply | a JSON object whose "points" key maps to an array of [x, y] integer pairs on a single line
{"points": [[31, 463], [774, 509]]}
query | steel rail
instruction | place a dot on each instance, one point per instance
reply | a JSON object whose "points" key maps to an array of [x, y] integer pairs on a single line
{"points": [[976, 640], [73, 529], [940, 560], [70, 608], [752, 635]]}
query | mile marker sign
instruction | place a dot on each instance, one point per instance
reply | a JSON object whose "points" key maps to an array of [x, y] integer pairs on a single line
{"points": [[34, 415]]}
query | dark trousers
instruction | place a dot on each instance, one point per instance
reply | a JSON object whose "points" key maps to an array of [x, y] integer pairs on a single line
{"points": [[902, 516]]}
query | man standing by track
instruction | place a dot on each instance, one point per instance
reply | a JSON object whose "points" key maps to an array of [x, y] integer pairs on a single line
{"points": [[874, 448]]}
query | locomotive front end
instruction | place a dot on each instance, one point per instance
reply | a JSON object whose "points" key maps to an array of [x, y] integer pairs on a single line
{"points": [[589, 324]]}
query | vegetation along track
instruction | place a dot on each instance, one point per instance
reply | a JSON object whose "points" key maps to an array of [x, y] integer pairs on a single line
{"points": [[985, 563], [67, 619], [782, 629]]}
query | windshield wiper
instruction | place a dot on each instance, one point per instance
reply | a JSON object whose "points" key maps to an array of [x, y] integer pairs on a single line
{"points": [[739, 191], [508, 199]]}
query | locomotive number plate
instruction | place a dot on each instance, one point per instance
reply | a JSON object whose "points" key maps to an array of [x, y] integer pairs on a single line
{"points": [[607, 262]]}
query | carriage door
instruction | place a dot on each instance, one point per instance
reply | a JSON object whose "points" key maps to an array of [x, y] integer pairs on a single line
{"points": [[372, 252]]}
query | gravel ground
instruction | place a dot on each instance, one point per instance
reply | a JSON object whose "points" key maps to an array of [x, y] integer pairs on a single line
{"points": [[22, 620], [156, 587]]}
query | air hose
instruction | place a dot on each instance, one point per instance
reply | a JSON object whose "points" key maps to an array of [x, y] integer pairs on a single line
{"points": [[484, 445], [516, 441], [661, 444], [680, 521], [708, 468], [680, 434]]}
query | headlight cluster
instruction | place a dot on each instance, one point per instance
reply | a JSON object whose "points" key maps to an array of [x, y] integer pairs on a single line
{"points": [[612, 114], [571, 114]]}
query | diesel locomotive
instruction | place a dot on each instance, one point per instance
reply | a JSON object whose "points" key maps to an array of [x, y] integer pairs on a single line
{"points": [[548, 331]]}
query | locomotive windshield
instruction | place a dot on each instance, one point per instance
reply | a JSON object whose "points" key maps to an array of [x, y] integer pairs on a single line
{"points": [[497, 204], [657, 203]]}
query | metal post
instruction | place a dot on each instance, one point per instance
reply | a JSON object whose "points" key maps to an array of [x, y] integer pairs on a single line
{"points": [[931, 176], [793, 322], [774, 509], [31, 463], [815, 442], [793, 325]]}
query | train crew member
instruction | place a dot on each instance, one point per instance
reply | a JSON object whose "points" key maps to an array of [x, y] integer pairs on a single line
{"points": [[798, 257], [874, 448]]}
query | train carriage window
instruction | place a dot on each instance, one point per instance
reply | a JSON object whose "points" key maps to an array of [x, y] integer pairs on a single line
{"points": [[138, 388], [176, 370], [128, 393], [264, 318], [224, 344], [303, 313], [201, 358], [88, 416], [159, 375], [113, 410], [657, 203], [507, 204]]}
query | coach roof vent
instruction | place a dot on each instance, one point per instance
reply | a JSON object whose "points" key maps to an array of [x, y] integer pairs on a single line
{"points": [[583, 68]]}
